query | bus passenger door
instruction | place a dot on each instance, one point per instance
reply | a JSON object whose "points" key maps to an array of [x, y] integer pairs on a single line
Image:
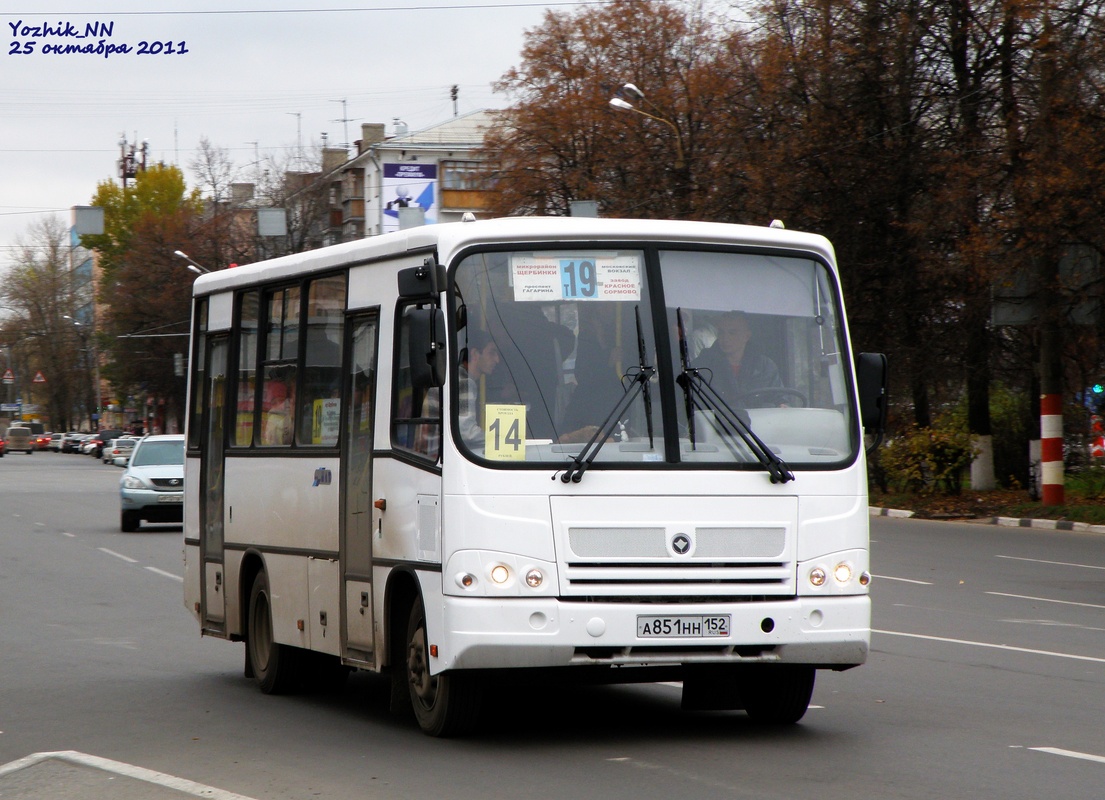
{"points": [[213, 575], [356, 470]]}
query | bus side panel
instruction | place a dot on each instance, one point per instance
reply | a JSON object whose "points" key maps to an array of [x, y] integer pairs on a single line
{"points": [[296, 530], [283, 502], [408, 530]]}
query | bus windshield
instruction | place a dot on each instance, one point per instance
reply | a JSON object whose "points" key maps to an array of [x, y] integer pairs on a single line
{"points": [[560, 347]]}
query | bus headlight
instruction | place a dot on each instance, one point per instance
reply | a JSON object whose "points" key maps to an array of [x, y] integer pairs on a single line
{"points": [[484, 573], [841, 573]]}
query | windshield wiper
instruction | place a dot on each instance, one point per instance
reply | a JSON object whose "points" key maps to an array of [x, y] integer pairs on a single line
{"points": [[701, 396], [640, 380]]}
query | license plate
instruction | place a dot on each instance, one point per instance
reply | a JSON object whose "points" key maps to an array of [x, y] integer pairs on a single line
{"points": [[171, 498], [689, 626]]}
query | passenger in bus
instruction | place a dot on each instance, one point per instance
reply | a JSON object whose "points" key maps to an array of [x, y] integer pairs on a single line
{"points": [[276, 416], [734, 371], [478, 360]]}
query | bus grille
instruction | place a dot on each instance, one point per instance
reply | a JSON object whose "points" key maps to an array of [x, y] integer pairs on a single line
{"points": [[706, 561]]}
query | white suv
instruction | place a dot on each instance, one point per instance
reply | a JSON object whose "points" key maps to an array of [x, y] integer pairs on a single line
{"points": [[152, 487]]}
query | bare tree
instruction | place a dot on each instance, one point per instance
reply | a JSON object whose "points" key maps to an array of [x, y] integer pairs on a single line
{"points": [[38, 291]]}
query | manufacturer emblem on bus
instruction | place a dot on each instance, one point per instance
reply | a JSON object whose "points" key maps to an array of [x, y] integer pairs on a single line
{"points": [[681, 544]]}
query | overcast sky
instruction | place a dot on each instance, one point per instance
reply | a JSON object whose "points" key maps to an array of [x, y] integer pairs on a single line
{"points": [[253, 76]]}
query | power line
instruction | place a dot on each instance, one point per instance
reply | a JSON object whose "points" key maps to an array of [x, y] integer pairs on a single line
{"points": [[224, 12]]}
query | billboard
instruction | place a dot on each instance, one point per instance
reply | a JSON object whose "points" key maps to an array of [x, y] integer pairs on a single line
{"points": [[406, 185]]}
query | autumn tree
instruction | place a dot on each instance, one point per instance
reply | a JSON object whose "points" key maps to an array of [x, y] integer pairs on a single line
{"points": [[144, 288], [562, 141]]}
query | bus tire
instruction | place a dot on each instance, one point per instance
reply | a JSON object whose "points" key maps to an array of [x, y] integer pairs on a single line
{"points": [[275, 666], [129, 521], [777, 694], [447, 704]]}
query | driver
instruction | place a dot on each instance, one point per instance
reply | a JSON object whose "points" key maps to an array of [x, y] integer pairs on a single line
{"points": [[732, 371]]}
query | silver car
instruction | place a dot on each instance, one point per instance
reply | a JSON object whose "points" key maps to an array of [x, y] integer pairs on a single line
{"points": [[152, 487]]}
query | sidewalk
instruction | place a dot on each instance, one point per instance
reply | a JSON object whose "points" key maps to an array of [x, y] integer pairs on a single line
{"points": [[1009, 522]]}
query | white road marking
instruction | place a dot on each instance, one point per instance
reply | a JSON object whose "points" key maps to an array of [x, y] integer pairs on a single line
{"points": [[1055, 751], [1046, 600], [128, 559], [990, 645], [126, 770], [1053, 563], [902, 580], [166, 574]]}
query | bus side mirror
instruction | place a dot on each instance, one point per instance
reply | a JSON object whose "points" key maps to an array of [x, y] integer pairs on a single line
{"points": [[871, 369], [427, 280], [426, 339]]}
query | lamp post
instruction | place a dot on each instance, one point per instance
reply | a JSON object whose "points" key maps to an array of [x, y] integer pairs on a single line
{"points": [[619, 102], [197, 268], [681, 188], [94, 409]]}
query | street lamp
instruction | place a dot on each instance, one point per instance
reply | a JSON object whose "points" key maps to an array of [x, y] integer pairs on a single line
{"points": [[619, 102], [199, 269], [94, 411]]}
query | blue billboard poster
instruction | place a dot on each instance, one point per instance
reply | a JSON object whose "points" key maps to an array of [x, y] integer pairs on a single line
{"points": [[407, 185]]}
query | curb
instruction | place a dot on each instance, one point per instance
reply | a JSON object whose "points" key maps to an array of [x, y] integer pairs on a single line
{"points": [[889, 512], [1008, 522], [1048, 524]]}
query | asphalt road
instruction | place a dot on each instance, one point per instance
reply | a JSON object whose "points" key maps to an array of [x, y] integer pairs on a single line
{"points": [[985, 681]]}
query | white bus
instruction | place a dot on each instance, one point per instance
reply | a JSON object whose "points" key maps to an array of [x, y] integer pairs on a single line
{"points": [[612, 450]]}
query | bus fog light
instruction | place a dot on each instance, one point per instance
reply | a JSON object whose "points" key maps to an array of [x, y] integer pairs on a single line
{"points": [[842, 572], [534, 578], [817, 576], [466, 580], [500, 574]]}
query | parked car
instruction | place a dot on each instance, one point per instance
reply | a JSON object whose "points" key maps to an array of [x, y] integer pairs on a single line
{"points": [[118, 451], [20, 438], [55, 442], [3, 445], [152, 487], [72, 442], [95, 447], [42, 441]]}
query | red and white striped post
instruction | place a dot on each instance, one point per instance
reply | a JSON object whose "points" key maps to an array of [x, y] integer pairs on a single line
{"points": [[1051, 449]]}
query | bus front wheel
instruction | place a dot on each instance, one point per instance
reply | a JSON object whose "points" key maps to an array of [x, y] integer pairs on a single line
{"points": [[274, 665], [447, 704], [777, 694]]}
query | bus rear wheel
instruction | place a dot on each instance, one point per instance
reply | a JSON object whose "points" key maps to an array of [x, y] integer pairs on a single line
{"points": [[447, 704], [275, 666]]}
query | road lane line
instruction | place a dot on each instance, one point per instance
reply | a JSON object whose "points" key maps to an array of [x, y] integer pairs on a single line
{"points": [[902, 580], [128, 559], [1046, 600], [992, 646], [166, 574], [126, 770], [1053, 563], [1055, 751]]}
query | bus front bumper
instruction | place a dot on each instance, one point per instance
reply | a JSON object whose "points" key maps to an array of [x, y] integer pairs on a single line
{"points": [[483, 633]]}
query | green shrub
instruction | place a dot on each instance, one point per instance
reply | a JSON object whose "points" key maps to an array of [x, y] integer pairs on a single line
{"points": [[927, 459]]}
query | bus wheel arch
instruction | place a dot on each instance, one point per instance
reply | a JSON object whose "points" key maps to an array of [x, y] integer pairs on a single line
{"points": [[275, 667]]}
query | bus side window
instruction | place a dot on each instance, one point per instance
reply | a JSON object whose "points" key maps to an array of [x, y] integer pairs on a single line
{"points": [[320, 405]]}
